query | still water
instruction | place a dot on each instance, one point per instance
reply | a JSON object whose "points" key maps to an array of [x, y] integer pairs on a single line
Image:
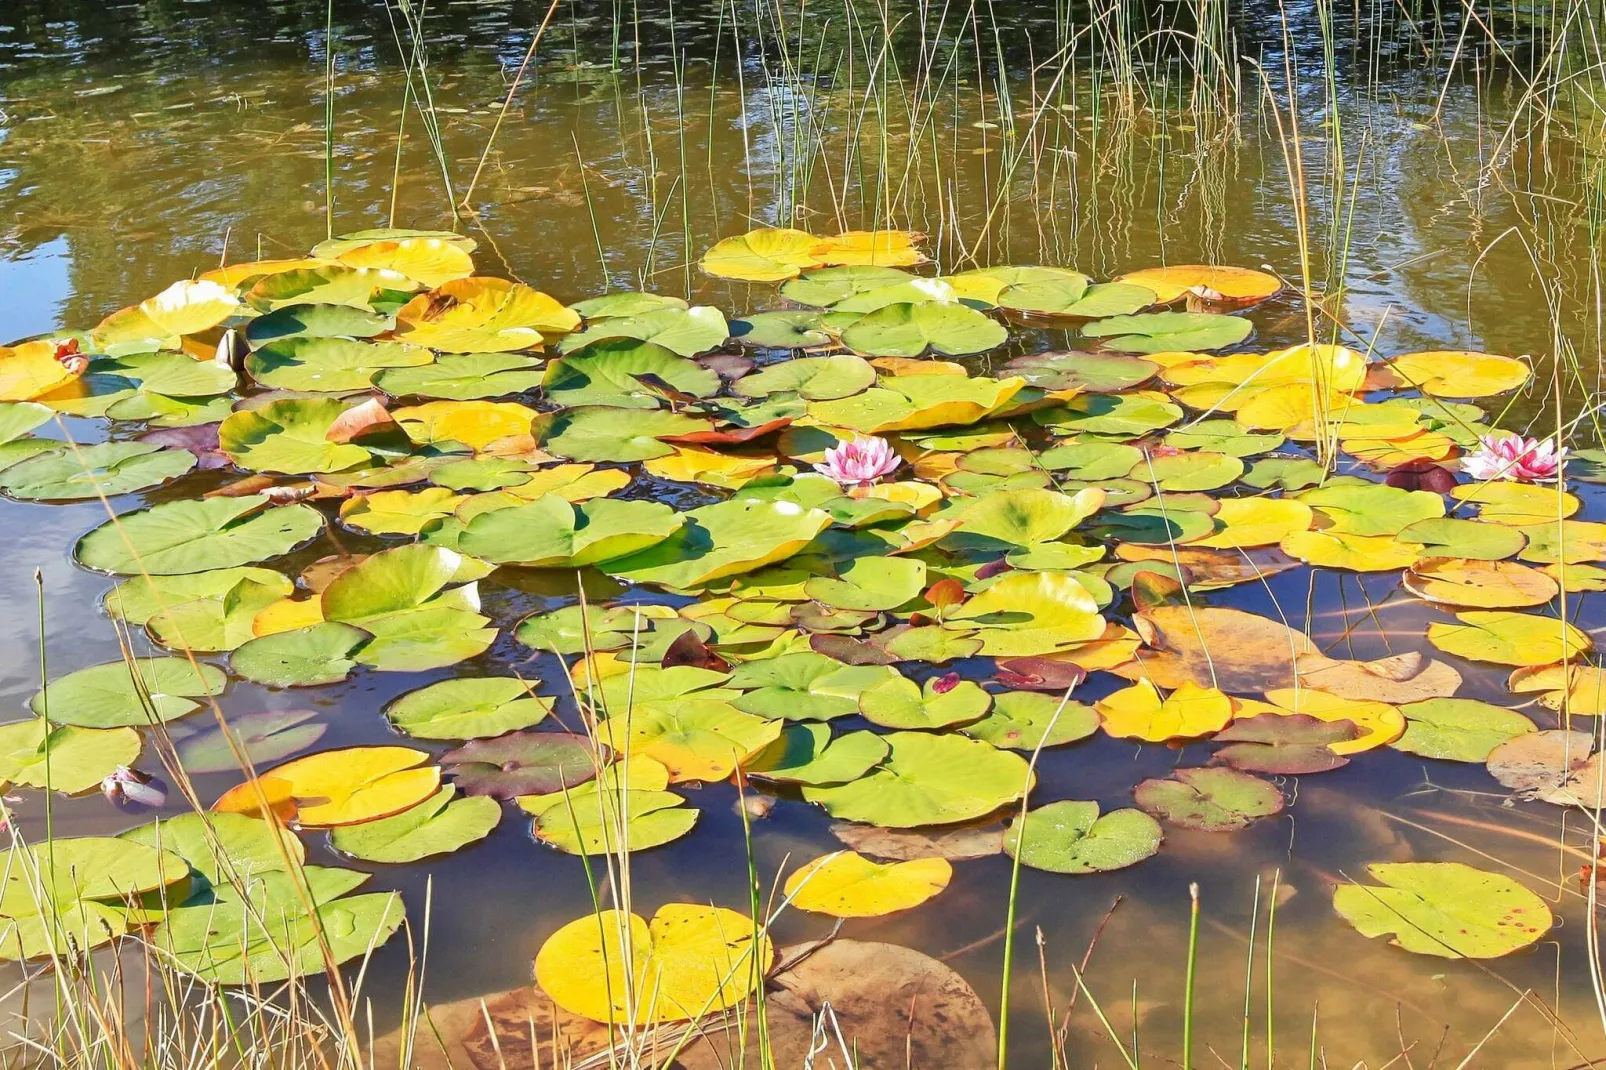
{"points": [[145, 142]]}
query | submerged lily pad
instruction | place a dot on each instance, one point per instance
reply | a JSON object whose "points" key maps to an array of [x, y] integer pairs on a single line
{"points": [[1210, 799]]}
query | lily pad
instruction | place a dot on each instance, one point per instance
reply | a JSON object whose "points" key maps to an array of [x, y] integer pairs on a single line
{"points": [[811, 378], [1026, 720], [824, 287], [605, 373], [521, 763], [552, 533], [108, 469], [807, 754], [1446, 909], [1210, 799], [604, 433], [1458, 729], [329, 365], [439, 825], [306, 657], [1169, 332], [722, 540], [293, 435], [467, 708], [780, 330], [67, 759], [941, 702], [110, 695], [909, 330], [265, 736], [349, 786], [1284, 745], [198, 536], [588, 819], [928, 780], [1072, 837], [464, 377]]}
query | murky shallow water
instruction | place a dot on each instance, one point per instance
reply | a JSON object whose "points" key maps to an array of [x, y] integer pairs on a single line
{"points": [[143, 143]]}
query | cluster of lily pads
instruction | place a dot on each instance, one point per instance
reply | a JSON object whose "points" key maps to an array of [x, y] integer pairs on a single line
{"points": [[1070, 512]]}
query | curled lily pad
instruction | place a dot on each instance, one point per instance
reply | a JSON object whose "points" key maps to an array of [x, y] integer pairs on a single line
{"points": [[109, 468], [196, 536], [1072, 837]]}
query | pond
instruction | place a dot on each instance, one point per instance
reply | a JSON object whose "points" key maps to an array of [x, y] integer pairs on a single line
{"points": [[1442, 197]]}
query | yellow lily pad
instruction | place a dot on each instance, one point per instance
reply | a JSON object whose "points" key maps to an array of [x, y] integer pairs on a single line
{"points": [[848, 885]]}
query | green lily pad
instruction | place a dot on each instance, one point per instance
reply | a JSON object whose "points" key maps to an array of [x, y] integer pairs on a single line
{"points": [[1125, 415], [1155, 523], [108, 696], [1189, 471], [931, 644], [219, 622], [265, 735], [576, 629], [1091, 459], [333, 284], [1458, 729], [779, 330], [940, 703], [17, 418], [604, 433], [464, 377], [804, 686], [1099, 373], [909, 330], [869, 583], [1223, 436], [1289, 473], [1110, 299], [629, 303], [1008, 519], [467, 708], [1072, 837], [306, 657], [1210, 799], [482, 473], [928, 780], [1046, 290], [811, 378], [315, 321], [721, 540], [1469, 539], [1446, 909], [1025, 720], [67, 759], [604, 373], [290, 435], [139, 598], [550, 532], [109, 468], [587, 820], [686, 331], [198, 536], [1372, 508], [398, 597], [807, 754], [221, 847], [1170, 332], [439, 825], [825, 287], [329, 365], [173, 375]]}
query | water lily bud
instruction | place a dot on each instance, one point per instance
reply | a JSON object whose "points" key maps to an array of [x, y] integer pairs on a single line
{"points": [[130, 789]]}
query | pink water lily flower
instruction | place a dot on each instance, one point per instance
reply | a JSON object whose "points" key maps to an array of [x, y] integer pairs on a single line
{"points": [[1525, 460], [859, 463]]}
